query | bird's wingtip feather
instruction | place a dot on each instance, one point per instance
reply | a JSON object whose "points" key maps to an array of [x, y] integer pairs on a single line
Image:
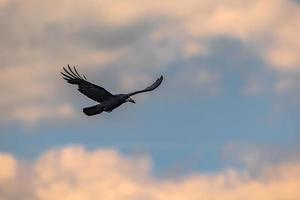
{"points": [[161, 78]]}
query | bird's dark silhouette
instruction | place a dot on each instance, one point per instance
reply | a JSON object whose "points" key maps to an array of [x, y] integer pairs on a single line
{"points": [[107, 101]]}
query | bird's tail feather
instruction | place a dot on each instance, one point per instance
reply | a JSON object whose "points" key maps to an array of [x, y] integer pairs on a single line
{"points": [[93, 110]]}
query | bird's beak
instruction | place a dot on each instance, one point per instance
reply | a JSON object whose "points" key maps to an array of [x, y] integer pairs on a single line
{"points": [[130, 100]]}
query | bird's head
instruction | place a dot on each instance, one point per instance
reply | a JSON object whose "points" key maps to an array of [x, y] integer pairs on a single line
{"points": [[125, 98], [130, 100]]}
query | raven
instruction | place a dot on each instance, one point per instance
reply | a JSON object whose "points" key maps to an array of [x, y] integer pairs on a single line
{"points": [[107, 101]]}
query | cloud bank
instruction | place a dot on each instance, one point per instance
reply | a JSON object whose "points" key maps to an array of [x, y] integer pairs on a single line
{"points": [[135, 38], [74, 173]]}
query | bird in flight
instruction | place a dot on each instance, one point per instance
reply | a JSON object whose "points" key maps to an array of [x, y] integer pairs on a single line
{"points": [[107, 101]]}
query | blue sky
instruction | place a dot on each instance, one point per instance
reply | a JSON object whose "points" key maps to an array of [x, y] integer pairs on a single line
{"points": [[175, 125]]}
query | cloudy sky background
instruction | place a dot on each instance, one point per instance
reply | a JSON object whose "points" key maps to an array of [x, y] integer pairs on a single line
{"points": [[223, 125]]}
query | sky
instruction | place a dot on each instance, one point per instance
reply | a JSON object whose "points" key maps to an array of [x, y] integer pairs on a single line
{"points": [[224, 124]]}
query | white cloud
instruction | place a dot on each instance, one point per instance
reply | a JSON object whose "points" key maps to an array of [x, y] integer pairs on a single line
{"points": [[74, 173]]}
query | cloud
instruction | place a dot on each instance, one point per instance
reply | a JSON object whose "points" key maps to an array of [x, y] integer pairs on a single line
{"points": [[259, 158], [32, 114], [3, 2], [75, 173], [8, 167], [198, 79], [132, 38], [27, 97]]}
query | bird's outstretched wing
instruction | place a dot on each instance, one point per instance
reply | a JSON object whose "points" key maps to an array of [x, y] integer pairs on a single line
{"points": [[150, 88], [91, 90]]}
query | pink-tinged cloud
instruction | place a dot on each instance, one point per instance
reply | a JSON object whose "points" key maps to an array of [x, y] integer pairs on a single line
{"points": [[31, 115], [74, 173], [8, 167], [143, 37]]}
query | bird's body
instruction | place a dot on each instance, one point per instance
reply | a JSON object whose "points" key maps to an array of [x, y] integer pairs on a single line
{"points": [[113, 102], [107, 101], [107, 105]]}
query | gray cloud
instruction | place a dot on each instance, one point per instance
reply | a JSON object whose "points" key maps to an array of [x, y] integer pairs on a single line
{"points": [[140, 40]]}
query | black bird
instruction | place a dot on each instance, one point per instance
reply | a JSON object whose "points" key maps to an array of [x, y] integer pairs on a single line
{"points": [[107, 101]]}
